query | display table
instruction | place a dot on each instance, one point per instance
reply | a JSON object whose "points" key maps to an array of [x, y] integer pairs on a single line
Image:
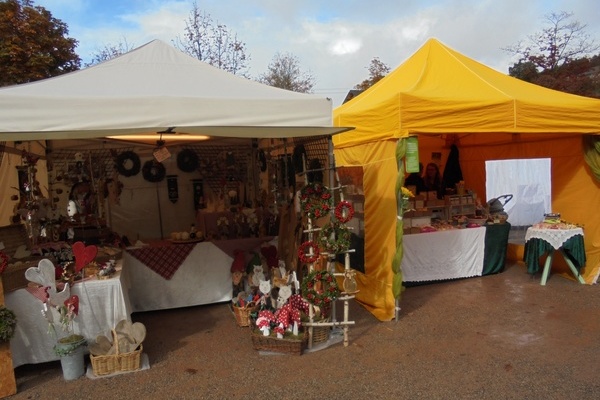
{"points": [[203, 276], [457, 253], [442, 255], [102, 304], [540, 241]]}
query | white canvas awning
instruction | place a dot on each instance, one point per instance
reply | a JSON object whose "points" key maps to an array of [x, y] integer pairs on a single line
{"points": [[153, 88]]}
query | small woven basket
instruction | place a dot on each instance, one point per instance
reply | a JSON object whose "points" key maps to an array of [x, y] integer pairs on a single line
{"points": [[320, 333], [242, 314], [119, 362], [286, 345]]}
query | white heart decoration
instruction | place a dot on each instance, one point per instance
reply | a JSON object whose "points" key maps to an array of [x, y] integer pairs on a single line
{"points": [[43, 274]]}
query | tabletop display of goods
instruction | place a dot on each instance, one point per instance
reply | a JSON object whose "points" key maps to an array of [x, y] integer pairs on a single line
{"points": [[120, 353]]}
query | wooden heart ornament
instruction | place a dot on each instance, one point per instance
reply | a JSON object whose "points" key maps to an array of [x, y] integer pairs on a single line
{"points": [[83, 255]]}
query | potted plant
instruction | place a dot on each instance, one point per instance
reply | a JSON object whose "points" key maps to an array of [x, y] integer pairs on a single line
{"points": [[70, 347], [8, 323]]}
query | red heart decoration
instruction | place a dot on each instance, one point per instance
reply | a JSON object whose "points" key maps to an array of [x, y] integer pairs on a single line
{"points": [[73, 301], [83, 255]]}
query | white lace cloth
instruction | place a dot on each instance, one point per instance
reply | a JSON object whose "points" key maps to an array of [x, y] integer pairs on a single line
{"points": [[556, 237]]}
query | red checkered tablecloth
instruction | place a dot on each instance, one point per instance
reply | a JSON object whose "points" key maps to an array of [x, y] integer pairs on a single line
{"points": [[164, 260]]}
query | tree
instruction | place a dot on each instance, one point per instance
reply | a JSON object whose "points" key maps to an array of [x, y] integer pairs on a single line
{"points": [[284, 72], [109, 51], [213, 43], [558, 57], [33, 44], [377, 70]]}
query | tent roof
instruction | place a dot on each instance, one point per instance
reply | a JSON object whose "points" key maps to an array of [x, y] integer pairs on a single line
{"points": [[440, 91], [150, 89]]}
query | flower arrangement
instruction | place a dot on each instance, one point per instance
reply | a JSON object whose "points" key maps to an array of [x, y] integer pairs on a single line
{"points": [[8, 323], [406, 195], [315, 200], [320, 288], [334, 238]]}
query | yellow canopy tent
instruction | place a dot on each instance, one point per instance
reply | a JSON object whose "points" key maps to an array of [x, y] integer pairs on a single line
{"points": [[439, 94]]}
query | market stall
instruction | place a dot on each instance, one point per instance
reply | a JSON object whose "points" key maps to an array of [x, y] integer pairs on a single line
{"points": [[444, 98]]}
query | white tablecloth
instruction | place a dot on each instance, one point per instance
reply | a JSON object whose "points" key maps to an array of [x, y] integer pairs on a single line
{"points": [[102, 303], [443, 255], [556, 237], [203, 278]]}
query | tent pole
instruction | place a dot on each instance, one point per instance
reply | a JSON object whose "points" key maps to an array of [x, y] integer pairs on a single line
{"points": [[159, 213], [332, 183]]}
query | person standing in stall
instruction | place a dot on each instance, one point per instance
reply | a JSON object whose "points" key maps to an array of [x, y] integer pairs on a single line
{"points": [[433, 179], [416, 179]]}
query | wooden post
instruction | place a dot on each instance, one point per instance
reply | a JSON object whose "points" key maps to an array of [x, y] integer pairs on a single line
{"points": [[8, 385]]}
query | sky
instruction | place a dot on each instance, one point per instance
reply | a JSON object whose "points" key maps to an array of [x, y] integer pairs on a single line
{"points": [[334, 40]]}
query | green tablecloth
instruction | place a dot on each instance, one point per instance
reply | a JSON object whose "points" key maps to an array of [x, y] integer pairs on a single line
{"points": [[573, 248], [496, 244]]}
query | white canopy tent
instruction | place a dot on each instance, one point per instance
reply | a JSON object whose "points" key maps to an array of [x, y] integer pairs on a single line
{"points": [[153, 88]]}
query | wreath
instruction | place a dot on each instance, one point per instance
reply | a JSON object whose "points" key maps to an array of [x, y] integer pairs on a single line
{"points": [[315, 200], [187, 160], [308, 258], [323, 294], [339, 211], [3, 262], [8, 323], [153, 171], [122, 161], [340, 241]]}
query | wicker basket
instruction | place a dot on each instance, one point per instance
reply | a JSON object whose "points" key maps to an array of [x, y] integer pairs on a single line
{"points": [[270, 343], [320, 333], [119, 362], [242, 314]]}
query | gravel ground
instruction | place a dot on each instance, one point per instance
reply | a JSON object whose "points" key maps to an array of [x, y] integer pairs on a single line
{"points": [[497, 337]]}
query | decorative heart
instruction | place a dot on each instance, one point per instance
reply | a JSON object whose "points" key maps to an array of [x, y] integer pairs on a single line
{"points": [[43, 274], [83, 255], [73, 301]]}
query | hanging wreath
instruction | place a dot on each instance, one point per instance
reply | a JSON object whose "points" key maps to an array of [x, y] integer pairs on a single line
{"points": [[3, 262], [315, 200], [311, 257], [153, 171], [340, 241], [320, 288], [342, 206], [128, 158], [187, 160]]}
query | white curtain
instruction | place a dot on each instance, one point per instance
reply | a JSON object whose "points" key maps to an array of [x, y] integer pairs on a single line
{"points": [[529, 182]]}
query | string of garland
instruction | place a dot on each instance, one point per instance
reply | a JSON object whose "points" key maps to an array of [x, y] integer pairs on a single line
{"points": [[344, 211], [340, 241], [3, 262], [315, 200], [153, 171], [125, 158], [308, 258], [320, 288]]}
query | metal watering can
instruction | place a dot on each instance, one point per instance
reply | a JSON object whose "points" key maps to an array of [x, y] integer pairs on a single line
{"points": [[496, 205]]}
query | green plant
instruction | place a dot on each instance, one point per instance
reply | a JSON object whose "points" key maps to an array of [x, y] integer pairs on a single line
{"points": [[8, 322]]}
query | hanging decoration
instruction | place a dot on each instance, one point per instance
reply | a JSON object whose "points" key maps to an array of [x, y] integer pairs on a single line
{"points": [[315, 200], [128, 163], [172, 188], [334, 238], [153, 171], [344, 211], [313, 254], [187, 160], [198, 185], [320, 288]]}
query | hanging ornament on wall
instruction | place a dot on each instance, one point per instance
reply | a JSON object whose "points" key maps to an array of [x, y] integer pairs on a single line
{"points": [[198, 185], [172, 188]]}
